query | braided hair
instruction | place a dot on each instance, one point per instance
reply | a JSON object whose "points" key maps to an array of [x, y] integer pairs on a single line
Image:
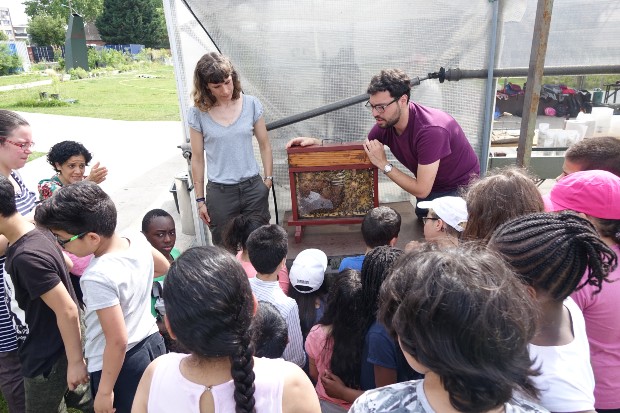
{"points": [[552, 251], [220, 328], [375, 268]]}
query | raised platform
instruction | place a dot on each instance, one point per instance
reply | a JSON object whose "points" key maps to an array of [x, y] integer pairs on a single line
{"points": [[339, 241]]}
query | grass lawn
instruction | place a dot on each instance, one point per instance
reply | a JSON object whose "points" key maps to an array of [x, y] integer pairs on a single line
{"points": [[36, 154], [125, 96], [23, 78]]}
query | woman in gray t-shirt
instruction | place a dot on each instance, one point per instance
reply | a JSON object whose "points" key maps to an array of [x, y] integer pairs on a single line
{"points": [[222, 123]]}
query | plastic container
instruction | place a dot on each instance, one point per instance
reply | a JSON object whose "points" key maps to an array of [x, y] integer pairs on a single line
{"points": [[589, 119], [614, 127], [597, 97], [581, 126], [603, 120]]}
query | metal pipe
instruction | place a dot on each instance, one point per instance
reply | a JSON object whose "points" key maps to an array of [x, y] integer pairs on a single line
{"points": [[457, 74], [289, 120], [490, 94], [317, 112], [538, 51]]}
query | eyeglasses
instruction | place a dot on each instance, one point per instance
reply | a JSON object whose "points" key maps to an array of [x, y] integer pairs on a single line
{"points": [[23, 146], [425, 219], [64, 242], [379, 108]]}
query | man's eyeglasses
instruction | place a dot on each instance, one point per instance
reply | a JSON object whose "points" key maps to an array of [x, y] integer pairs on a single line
{"points": [[379, 108], [63, 242], [425, 219], [23, 146]]}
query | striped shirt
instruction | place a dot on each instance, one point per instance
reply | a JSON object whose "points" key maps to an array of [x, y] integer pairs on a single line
{"points": [[271, 292], [24, 200]]}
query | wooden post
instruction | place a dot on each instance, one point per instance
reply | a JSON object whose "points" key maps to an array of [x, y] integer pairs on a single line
{"points": [[534, 81]]}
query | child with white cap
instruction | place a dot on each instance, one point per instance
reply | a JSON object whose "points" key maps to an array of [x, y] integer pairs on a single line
{"points": [[445, 220], [307, 278]]}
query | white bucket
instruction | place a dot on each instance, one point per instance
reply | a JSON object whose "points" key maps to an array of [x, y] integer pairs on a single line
{"points": [[614, 127], [589, 119], [581, 126], [603, 120]]}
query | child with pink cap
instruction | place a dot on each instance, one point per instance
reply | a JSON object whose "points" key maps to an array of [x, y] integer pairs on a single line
{"points": [[596, 196]]}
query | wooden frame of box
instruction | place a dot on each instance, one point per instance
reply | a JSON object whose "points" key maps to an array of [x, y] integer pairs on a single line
{"points": [[330, 184]]}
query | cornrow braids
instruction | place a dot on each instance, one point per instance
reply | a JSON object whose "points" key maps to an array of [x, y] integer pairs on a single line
{"points": [[553, 251], [242, 370], [375, 269]]}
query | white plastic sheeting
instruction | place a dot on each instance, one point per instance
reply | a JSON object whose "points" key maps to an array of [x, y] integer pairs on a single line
{"points": [[298, 55]]}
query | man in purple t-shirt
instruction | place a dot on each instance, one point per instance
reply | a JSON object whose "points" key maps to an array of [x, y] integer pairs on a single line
{"points": [[427, 141]]}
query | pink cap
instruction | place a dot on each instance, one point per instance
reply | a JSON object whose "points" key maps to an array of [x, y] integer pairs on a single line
{"points": [[594, 193]]}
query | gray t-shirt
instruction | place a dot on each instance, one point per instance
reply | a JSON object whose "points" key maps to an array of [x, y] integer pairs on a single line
{"points": [[229, 153], [409, 397], [122, 278]]}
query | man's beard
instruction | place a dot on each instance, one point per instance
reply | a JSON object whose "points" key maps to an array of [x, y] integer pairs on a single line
{"points": [[390, 122]]}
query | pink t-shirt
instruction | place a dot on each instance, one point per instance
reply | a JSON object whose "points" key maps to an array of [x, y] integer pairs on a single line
{"points": [[322, 355], [283, 279], [602, 314]]}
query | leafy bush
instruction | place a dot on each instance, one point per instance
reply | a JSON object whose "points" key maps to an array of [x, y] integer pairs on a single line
{"points": [[9, 61], [108, 58], [58, 57], [78, 73], [40, 103], [153, 55]]}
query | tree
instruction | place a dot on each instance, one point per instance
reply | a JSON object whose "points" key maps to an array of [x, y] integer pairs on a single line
{"points": [[9, 61], [45, 30], [131, 21], [3, 36], [88, 9]]}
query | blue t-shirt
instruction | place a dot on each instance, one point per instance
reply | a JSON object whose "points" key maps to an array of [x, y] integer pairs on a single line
{"points": [[354, 263], [381, 350]]}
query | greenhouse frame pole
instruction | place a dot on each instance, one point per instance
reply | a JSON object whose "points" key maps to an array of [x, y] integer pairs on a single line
{"points": [[490, 93], [534, 81]]}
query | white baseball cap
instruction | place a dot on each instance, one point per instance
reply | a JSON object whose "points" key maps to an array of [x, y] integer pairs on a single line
{"points": [[308, 270], [450, 209]]}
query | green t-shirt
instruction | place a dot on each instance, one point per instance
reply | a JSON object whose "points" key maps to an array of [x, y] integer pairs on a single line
{"points": [[175, 253]]}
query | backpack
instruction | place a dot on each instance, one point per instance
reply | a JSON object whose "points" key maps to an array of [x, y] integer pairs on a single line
{"points": [[561, 110]]}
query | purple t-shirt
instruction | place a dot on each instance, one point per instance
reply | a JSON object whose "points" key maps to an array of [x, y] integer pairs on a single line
{"points": [[432, 135]]}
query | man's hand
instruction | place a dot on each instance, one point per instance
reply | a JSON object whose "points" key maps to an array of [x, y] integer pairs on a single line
{"points": [[97, 174], [302, 141], [104, 403], [376, 153], [76, 374]]}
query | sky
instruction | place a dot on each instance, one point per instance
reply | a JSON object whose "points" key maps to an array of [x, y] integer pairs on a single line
{"points": [[17, 10]]}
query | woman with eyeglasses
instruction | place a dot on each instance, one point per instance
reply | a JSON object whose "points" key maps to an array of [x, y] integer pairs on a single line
{"points": [[15, 147], [222, 123]]}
